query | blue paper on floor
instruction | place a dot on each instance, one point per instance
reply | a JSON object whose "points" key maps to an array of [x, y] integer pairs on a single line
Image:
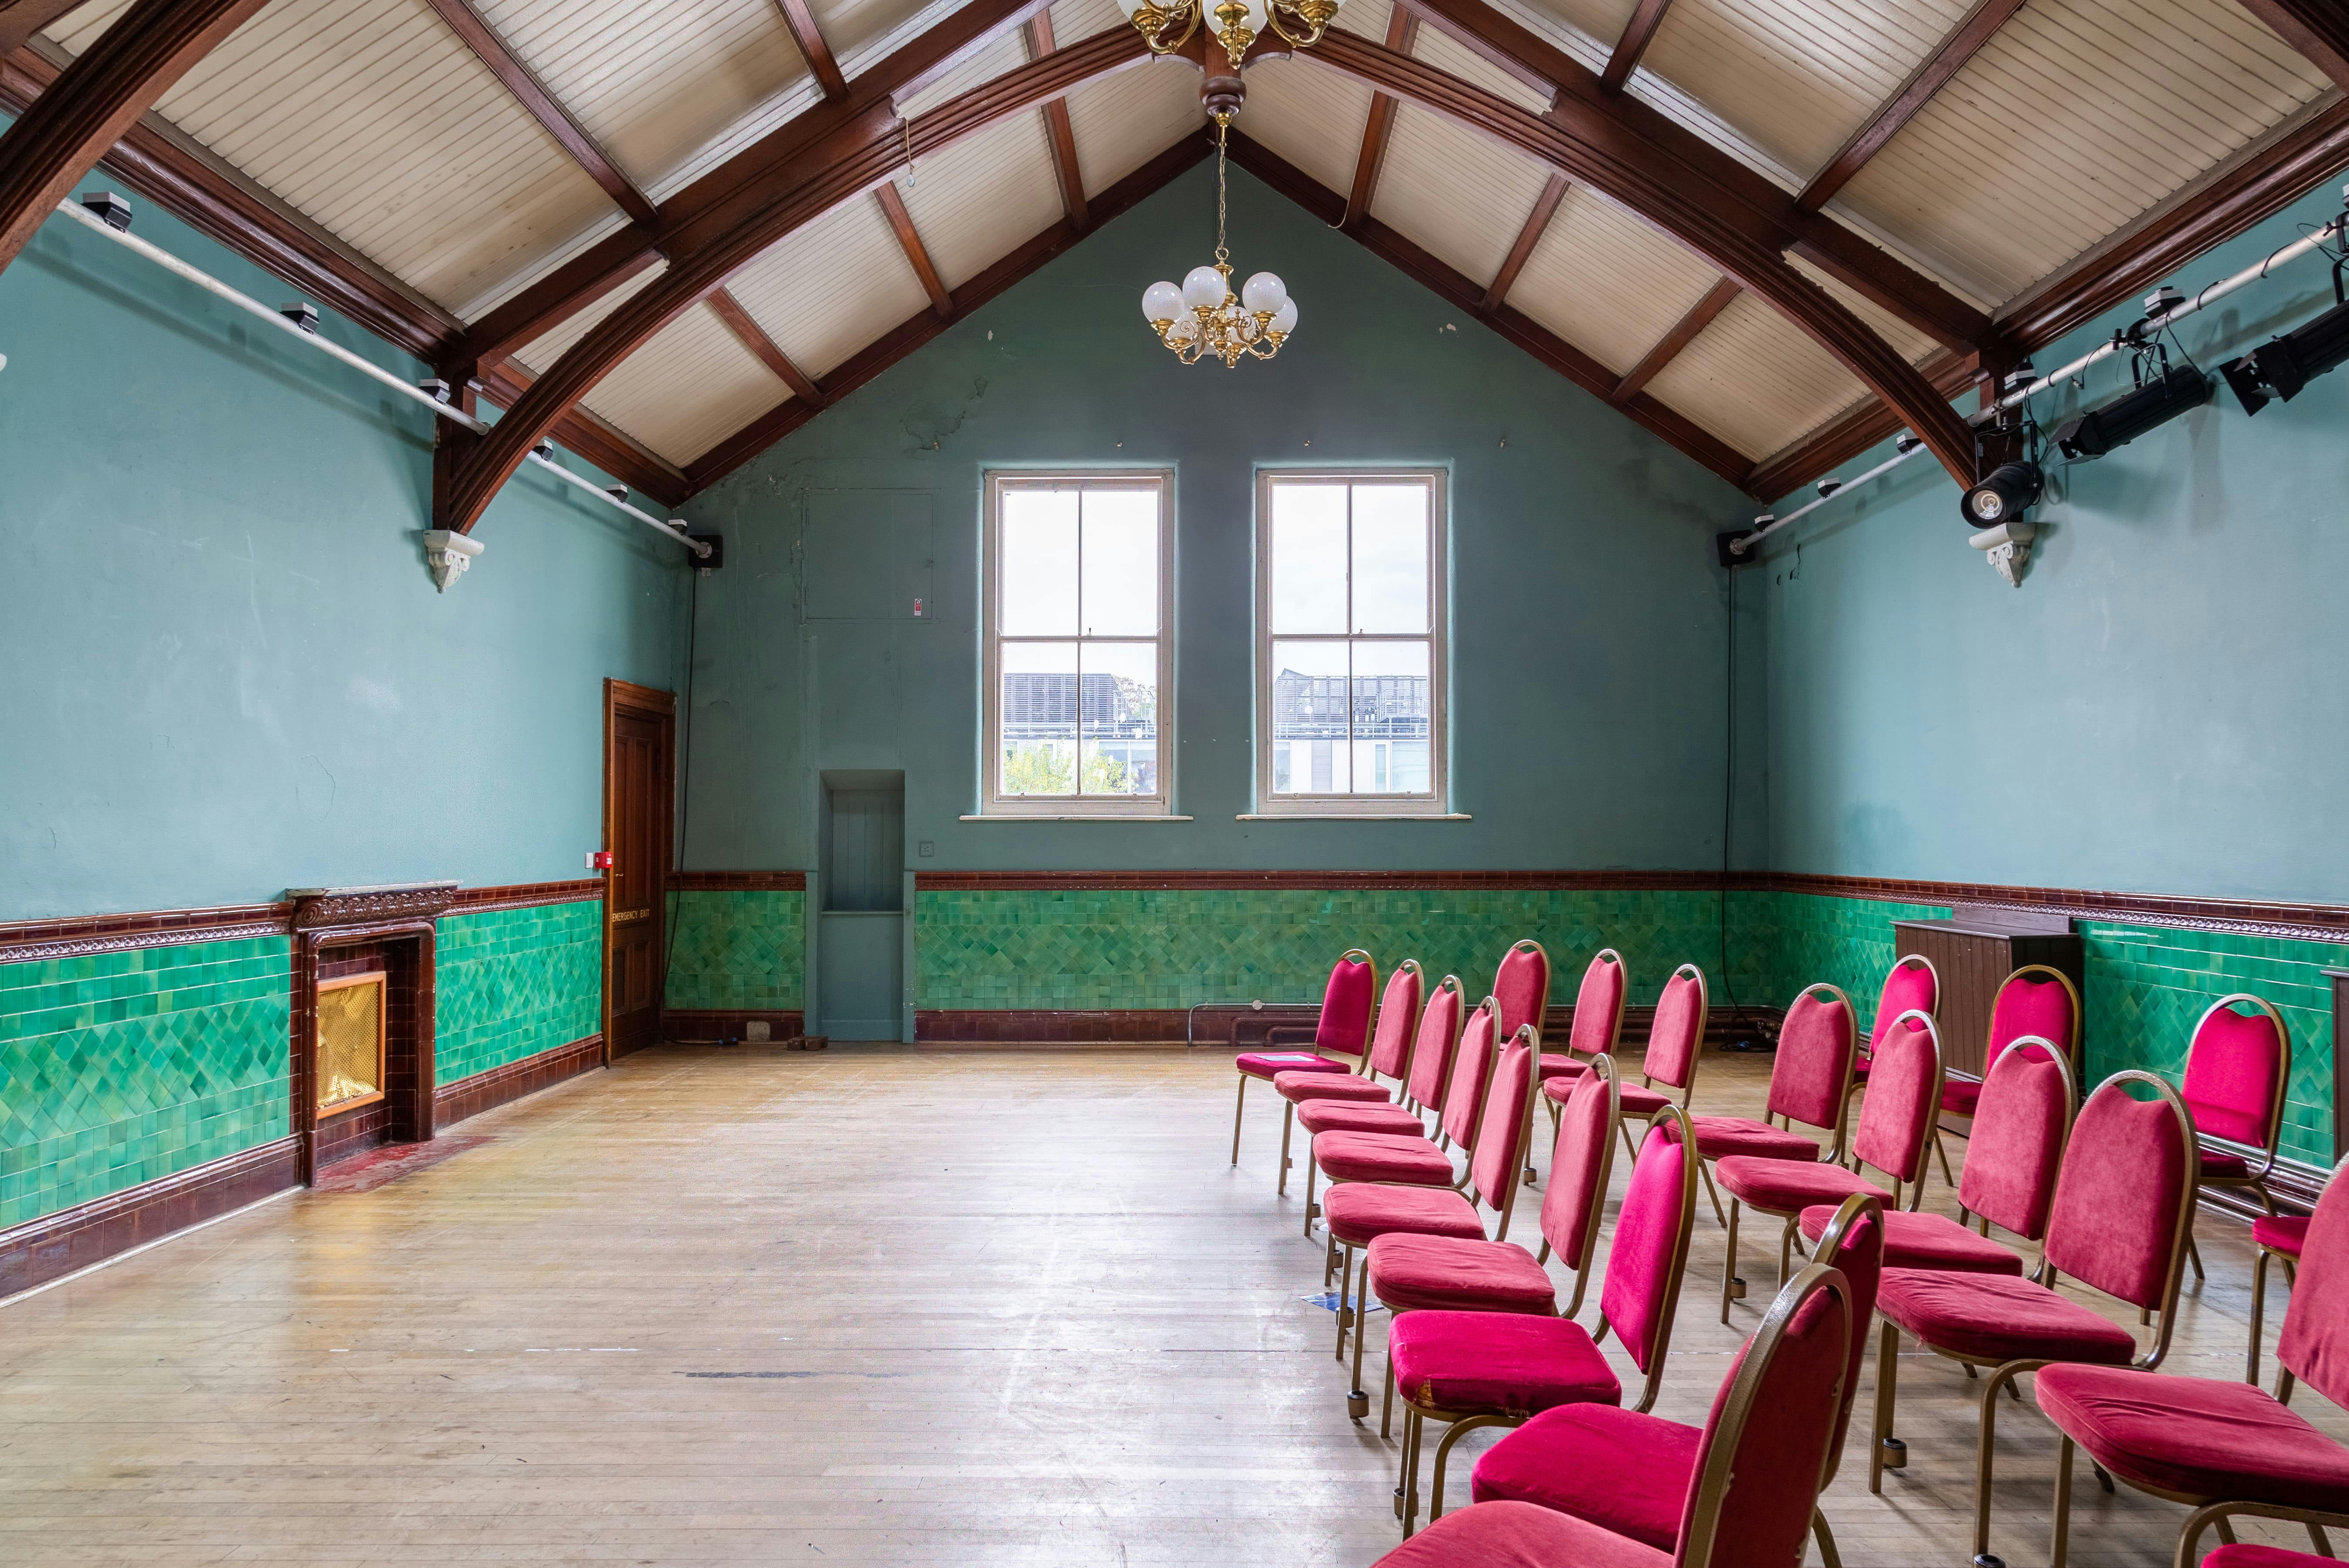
{"points": [[1328, 1302]]}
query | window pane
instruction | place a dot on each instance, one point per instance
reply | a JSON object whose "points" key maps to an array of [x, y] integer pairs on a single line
{"points": [[1390, 717], [1391, 557], [1038, 585], [1308, 558], [1121, 563], [1040, 718], [1119, 681], [1309, 754]]}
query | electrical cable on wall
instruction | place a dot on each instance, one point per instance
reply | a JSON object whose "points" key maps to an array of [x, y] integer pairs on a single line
{"points": [[684, 773], [1728, 804]]}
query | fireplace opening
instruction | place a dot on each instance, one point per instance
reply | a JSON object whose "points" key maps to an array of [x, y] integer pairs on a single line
{"points": [[350, 1041]]}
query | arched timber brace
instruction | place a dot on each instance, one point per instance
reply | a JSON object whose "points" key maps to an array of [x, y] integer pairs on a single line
{"points": [[840, 168], [75, 123], [1719, 222]]}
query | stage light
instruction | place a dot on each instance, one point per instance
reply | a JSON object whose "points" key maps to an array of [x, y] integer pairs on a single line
{"points": [[108, 209], [2116, 424], [2010, 490], [2277, 369]]}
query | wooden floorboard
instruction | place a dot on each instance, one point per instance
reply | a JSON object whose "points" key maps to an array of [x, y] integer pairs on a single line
{"points": [[879, 1305]]}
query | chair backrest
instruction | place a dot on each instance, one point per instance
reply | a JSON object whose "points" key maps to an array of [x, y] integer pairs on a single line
{"points": [[2016, 1146], [1904, 1100], [1581, 1164], [2236, 1069], [2126, 1195], [1811, 1079], [1650, 1251], [1505, 1124], [1398, 1015], [2315, 1343], [1911, 985], [1764, 1455], [1521, 984], [1437, 1042], [1853, 1245], [2036, 999], [1598, 1007], [1344, 1027], [1678, 1032], [1472, 1074]]}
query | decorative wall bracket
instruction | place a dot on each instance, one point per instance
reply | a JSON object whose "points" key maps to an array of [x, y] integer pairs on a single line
{"points": [[2009, 548], [326, 908], [449, 553]]}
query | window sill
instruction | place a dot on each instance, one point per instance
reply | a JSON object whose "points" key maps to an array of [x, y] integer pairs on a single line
{"points": [[1070, 816], [1353, 816]]}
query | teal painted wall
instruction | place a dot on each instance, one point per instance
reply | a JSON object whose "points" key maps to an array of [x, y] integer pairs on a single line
{"points": [[232, 673], [738, 951], [512, 983]]}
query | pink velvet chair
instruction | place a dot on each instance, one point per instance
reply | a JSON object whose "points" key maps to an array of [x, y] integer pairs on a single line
{"points": [[1627, 1471], [2224, 1448], [1581, 1163], [2282, 1236], [1810, 1081], [1389, 1056], [2124, 1200], [1411, 1159], [1521, 985], [1432, 1047], [1759, 1465], [1477, 1340], [2238, 1066], [1597, 1015], [2036, 1003], [1342, 1029], [1895, 1135], [2021, 1119], [1911, 985], [1675, 1041]]}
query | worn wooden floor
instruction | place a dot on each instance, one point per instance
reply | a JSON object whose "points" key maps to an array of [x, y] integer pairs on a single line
{"points": [[877, 1305]]}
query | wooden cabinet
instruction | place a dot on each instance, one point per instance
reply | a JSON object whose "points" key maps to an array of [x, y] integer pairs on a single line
{"points": [[1972, 952]]}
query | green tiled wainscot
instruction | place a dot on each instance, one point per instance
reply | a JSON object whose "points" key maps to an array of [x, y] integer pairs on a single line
{"points": [[738, 951], [512, 983]]}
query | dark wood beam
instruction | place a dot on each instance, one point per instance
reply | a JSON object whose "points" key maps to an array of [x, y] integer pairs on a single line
{"points": [[1514, 325], [604, 445], [801, 20], [753, 337], [1931, 75], [912, 334], [1847, 435], [1638, 33], [63, 133], [1402, 29], [1059, 131], [562, 294], [1529, 236], [20, 19], [1720, 210], [917, 255], [541, 105], [1683, 332], [2318, 29]]}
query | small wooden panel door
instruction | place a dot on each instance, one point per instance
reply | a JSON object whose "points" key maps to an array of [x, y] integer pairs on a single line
{"points": [[640, 728]]}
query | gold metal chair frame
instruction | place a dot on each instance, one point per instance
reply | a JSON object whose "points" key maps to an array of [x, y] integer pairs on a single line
{"points": [[2257, 1181], [2069, 1051], [1549, 975], [1788, 1241], [1288, 1106], [1734, 1288], [1887, 1452], [1240, 1106], [2259, 1313], [1402, 1098], [2212, 1515]]}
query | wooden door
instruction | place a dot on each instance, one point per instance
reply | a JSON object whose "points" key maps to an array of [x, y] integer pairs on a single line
{"points": [[640, 738]]}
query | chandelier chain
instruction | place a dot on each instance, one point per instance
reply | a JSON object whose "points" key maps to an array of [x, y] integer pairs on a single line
{"points": [[1223, 129]]}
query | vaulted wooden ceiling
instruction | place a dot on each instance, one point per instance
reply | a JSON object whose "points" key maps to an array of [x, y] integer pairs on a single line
{"points": [[1774, 232]]}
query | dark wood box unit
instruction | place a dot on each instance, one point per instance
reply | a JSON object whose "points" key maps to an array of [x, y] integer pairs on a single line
{"points": [[1975, 949], [2340, 979]]}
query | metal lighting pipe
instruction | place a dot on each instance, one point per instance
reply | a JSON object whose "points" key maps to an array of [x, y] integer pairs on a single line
{"points": [[1740, 546], [252, 306]]}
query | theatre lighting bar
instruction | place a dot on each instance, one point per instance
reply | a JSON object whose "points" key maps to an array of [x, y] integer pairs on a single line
{"points": [[105, 225]]}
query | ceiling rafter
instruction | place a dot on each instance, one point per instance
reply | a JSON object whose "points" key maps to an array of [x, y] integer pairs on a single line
{"points": [[917, 255], [1060, 131], [1683, 332], [752, 337], [1964, 41], [800, 17], [2318, 29], [1529, 236], [20, 19], [1717, 213], [540, 103], [1638, 33], [1402, 31]]}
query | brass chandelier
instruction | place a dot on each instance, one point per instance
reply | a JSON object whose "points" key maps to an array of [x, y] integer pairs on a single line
{"points": [[1237, 23], [1202, 320]]}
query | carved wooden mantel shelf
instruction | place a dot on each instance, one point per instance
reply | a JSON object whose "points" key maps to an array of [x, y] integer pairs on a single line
{"points": [[325, 908]]}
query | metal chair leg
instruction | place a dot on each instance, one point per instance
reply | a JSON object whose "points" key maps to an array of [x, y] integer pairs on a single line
{"points": [[1443, 1452], [1357, 1402], [2062, 1505], [1311, 1170], [1887, 1452], [1943, 1156], [1984, 1440], [2194, 1255], [2259, 1312], [1287, 1117], [1705, 1171], [1386, 1405], [1828, 1556], [1730, 1285], [1239, 1108]]}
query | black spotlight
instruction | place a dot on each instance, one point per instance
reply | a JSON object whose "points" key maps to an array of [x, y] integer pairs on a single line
{"points": [[2123, 420], [2011, 488], [1730, 559], [2277, 369], [108, 209]]}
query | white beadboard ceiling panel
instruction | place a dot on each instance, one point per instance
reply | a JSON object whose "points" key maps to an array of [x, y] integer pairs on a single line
{"points": [[1309, 114], [1755, 381], [2079, 116], [1005, 52], [1123, 121], [1605, 282], [1073, 20], [543, 351], [831, 288], [1457, 194], [1913, 345], [861, 32], [1587, 29], [661, 83], [984, 196], [73, 31], [690, 387], [1795, 77], [1367, 17], [1438, 49]]}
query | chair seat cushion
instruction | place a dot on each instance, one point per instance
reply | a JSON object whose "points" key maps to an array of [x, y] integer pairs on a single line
{"points": [[2281, 1234], [1354, 1116], [1859, 1065], [1639, 1100], [1434, 1273], [1382, 1157], [1562, 1065], [1790, 1186], [2202, 1437], [1718, 1136], [1961, 1097], [1513, 1363], [1617, 1468], [1995, 1318], [2244, 1554], [1271, 1064], [1316, 1085], [2218, 1166], [1360, 1212], [1519, 1535], [1926, 1241]]}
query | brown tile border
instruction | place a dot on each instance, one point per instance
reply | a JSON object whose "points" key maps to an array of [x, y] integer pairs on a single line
{"points": [[1224, 1025], [735, 881], [2248, 917], [705, 1025], [1323, 880], [524, 895], [58, 1245], [36, 941], [486, 1090]]}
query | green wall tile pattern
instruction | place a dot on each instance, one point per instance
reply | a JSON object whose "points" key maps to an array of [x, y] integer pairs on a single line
{"points": [[123, 1068], [740, 951], [1847, 942], [512, 983]]}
